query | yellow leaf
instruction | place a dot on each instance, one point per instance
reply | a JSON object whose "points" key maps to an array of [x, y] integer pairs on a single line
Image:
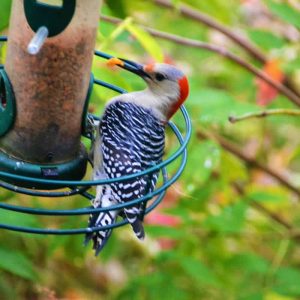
{"points": [[119, 30], [146, 40], [274, 296]]}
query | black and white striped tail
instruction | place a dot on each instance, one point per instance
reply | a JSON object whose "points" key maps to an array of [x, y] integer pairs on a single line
{"points": [[100, 237], [132, 215]]}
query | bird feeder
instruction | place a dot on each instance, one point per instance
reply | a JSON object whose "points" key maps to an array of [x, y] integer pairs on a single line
{"points": [[45, 87], [49, 57]]}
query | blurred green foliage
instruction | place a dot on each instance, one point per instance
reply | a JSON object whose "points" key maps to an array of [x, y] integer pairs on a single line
{"points": [[285, 12], [4, 13], [225, 245]]}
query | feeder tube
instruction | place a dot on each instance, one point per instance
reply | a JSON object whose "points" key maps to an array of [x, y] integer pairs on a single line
{"points": [[38, 40], [51, 87]]}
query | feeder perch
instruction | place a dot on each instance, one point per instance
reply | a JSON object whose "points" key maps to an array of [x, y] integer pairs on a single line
{"points": [[45, 88]]}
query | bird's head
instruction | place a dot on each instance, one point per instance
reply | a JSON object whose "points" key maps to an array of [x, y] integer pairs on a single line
{"points": [[168, 84]]}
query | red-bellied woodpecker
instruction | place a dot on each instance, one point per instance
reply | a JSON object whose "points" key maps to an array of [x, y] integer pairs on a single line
{"points": [[131, 138]]}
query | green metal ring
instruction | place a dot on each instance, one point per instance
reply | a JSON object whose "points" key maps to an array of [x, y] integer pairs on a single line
{"points": [[81, 187], [167, 183], [160, 192], [84, 123], [74, 169], [71, 183]]}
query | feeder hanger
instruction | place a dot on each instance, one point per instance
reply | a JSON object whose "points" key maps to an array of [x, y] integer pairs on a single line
{"points": [[55, 18]]}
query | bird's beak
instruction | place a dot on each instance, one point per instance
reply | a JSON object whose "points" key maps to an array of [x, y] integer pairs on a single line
{"points": [[130, 66]]}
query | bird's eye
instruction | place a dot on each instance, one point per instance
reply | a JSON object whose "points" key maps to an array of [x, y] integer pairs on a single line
{"points": [[160, 77]]}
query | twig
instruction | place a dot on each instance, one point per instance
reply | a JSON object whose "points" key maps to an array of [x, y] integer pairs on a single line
{"points": [[281, 253], [219, 50], [275, 217], [265, 113], [205, 19], [292, 232], [272, 215], [198, 16], [251, 162], [295, 234]]}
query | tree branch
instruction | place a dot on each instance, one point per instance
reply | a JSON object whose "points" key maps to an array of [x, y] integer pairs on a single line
{"points": [[292, 232], [205, 19], [275, 217], [219, 50], [198, 16], [265, 113], [251, 162]]}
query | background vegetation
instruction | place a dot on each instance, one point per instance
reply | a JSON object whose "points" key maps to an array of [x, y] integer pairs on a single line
{"points": [[228, 229]]}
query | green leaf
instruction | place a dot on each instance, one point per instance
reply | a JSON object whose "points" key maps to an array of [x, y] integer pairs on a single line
{"points": [[16, 263], [285, 12], [216, 106], [155, 285], [7, 289], [232, 169], [254, 296], [117, 7], [4, 13], [267, 194], [249, 263], [287, 281], [6, 195], [206, 156], [198, 271], [146, 40], [292, 66], [115, 33], [176, 4], [275, 296], [169, 232], [265, 39], [231, 219], [18, 219], [192, 266]]}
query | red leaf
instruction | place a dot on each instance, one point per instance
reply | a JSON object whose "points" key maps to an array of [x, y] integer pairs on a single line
{"points": [[265, 92], [167, 243], [157, 218]]}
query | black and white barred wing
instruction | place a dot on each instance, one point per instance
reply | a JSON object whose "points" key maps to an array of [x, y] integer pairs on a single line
{"points": [[101, 219], [102, 199], [128, 190], [132, 141]]}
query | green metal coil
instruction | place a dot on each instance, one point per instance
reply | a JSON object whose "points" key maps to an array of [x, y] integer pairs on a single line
{"points": [[77, 187]]}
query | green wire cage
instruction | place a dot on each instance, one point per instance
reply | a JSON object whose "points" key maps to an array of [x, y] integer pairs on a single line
{"points": [[48, 187]]}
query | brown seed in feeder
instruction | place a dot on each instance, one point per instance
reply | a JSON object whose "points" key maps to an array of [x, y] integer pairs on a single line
{"points": [[50, 87]]}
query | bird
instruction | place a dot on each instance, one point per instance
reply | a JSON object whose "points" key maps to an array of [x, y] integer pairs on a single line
{"points": [[130, 138]]}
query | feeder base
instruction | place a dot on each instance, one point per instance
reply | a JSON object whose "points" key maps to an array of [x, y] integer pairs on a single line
{"points": [[71, 170]]}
